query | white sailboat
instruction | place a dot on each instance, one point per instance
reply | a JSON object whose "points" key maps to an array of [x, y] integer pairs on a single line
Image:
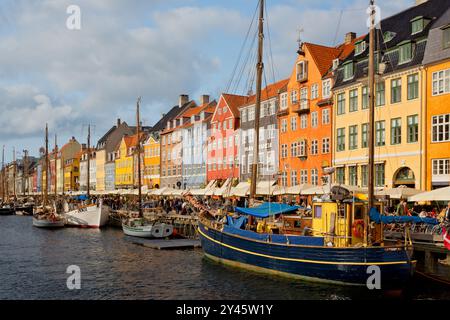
{"points": [[139, 227], [46, 216], [91, 215]]}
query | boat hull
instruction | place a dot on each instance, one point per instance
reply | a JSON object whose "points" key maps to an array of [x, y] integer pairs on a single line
{"points": [[344, 266], [48, 223], [89, 217], [24, 211], [7, 211], [160, 230]]}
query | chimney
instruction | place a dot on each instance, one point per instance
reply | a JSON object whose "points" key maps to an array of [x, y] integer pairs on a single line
{"points": [[204, 99], [349, 37], [419, 2], [118, 122], [184, 98]]}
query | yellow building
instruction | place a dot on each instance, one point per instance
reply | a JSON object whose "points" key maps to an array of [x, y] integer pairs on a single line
{"points": [[72, 173], [152, 162], [100, 172], [400, 96], [125, 162], [437, 68]]}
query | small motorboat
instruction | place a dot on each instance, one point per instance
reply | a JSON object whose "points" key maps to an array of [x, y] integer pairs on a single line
{"points": [[6, 210], [24, 210], [47, 218], [143, 229]]}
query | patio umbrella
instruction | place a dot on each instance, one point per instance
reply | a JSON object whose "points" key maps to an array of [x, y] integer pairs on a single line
{"points": [[442, 194]]}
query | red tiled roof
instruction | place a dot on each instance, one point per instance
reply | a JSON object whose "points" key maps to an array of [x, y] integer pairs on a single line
{"points": [[323, 56], [234, 102], [272, 90]]}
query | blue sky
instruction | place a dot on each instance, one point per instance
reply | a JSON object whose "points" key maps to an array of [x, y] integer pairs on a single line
{"points": [[156, 49]]}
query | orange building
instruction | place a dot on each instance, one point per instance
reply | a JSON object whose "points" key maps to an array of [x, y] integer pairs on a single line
{"points": [[305, 114]]}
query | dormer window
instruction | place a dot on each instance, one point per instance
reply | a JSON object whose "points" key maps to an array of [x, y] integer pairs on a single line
{"points": [[225, 110], [388, 36], [360, 47], [335, 64], [405, 52], [349, 71], [302, 71], [446, 37], [418, 24]]}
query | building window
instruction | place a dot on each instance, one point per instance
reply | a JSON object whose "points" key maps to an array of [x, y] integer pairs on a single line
{"points": [[341, 103], [388, 36], [441, 167], [396, 131], [325, 116], [284, 151], [364, 175], [353, 175], [304, 98], [314, 147], [251, 114], [353, 100], [441, 128], [325, 145], [284, 102], [379, 175], [340, 175], [303, 176], [294, 180], [365, 98], [441, 82], [294, 149], [294, 96], [293, 123], [353, 137], [314, 91], [413, 86], [244, 115], [405, 53], [348, 71], [303, 121], [283, 125], [396, 90], [341, 139], [302, 71], [413, 128], [284, 179], [417, 25], [360, 47], [446, 38], [381, 93], [314, 177], [326, 88], [380, 133], [314, 119], [230, 124]]}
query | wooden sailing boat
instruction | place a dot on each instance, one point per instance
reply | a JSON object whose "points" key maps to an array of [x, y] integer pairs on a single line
{"points": [[46, 215], [90, 215], [140, 227], [326, 256]]}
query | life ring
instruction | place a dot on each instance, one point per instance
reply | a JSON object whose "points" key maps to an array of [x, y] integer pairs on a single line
{"points": [[358, 228]]}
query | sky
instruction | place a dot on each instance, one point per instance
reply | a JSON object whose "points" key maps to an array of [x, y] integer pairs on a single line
{"points": [[156, 49]]}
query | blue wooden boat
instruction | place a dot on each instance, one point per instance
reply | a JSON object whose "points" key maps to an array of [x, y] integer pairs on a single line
{"points": [[304, 257]]}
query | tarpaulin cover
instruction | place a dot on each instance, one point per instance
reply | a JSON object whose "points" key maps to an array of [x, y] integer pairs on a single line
{"points": [[81, 197], [237, 223], [275, 238], [378, 218], [267, 209]]}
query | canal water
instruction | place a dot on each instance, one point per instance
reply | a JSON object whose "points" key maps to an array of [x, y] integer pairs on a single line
{"points": [[33, 265]]}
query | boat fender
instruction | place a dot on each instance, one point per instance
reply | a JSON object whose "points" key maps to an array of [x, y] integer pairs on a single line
{"points": [[358, 228]]}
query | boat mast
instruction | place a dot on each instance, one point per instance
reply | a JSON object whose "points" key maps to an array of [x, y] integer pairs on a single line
{"points": [[45, 187], [3, 174], [56, 162], [14, 172], [138, 151], [259, 71], [88, 160], [371, 120], [25, 173]]}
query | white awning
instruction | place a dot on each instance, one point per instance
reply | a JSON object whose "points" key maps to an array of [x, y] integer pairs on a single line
{"points": [[441, 194], [265, 187], [320, 190], [241, 190], [401, 192]]}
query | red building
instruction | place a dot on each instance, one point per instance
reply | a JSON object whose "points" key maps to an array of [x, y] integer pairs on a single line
{"points": [[223, 159]]}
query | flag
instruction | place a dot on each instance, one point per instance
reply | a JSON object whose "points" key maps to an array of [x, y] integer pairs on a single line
{"points": [[446, 239]]}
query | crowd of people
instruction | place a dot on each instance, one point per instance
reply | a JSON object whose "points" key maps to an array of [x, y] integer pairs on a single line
{"points": [[422, 211]]}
